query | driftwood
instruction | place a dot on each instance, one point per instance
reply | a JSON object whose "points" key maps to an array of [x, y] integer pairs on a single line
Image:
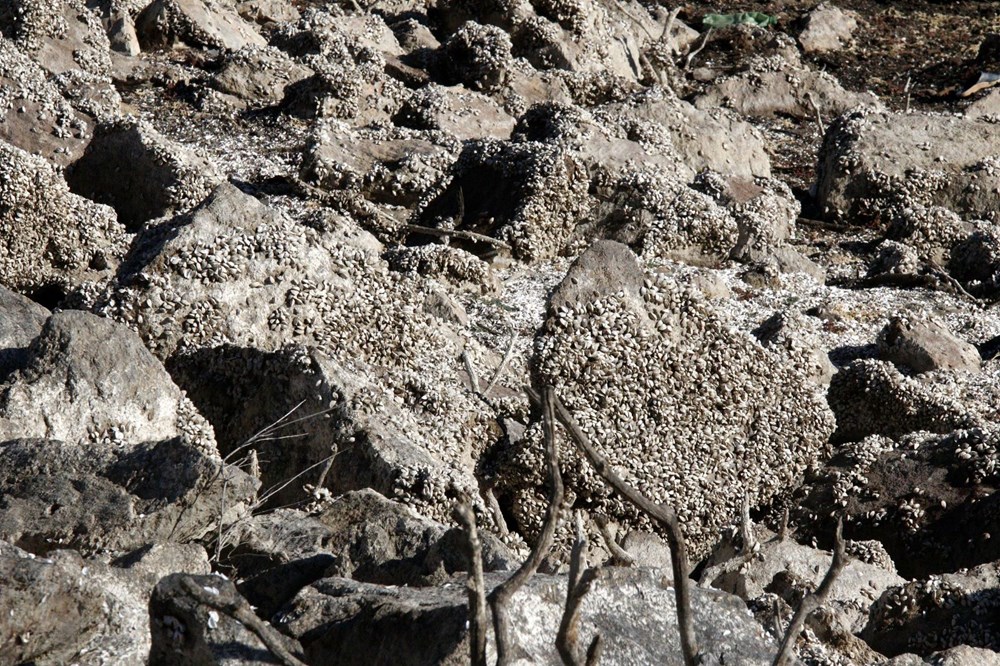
{"points": [[663, 515], [501, 595], [812, 601], [569, 627], [475, 585]]}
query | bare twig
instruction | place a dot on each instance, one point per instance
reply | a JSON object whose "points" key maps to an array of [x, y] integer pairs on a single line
{"points": [[815, 107], [239, 610], [457, 233], [321, 481], [494, 506], [638, 22], [569, 627], [668, 23], [812, 601], [701, 47], [825, 226], [475, 584], [662, 514], [502, 366], [501, 595], [783, 528], [471, 371], [222, 515], [620, 556], [746, 529], [906, 89]]}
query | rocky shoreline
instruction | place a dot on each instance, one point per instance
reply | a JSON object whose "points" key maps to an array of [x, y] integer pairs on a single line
{"points": [[277, 278]]}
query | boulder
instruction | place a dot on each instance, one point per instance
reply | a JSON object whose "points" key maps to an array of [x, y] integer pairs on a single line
{"points": [[21, 320], [345, 622], [875, 164], [478, 56], [644, 376], [264, 12], [60, 36], [36, 118], [51, 241], [927, 498], [461, 113], [927, 345], [161, 177], [199, 23], [257, 75], [827, 28]]}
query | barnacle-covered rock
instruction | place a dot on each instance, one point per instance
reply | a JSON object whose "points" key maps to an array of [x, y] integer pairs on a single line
{"points": [[926, 345], [204, 23], [461, 113], [872, 397], [222, 291], [161, 178], [479, 56], [51, 239], [876, 165], [60, 36], [932, 231], [927, 498], [35, 117], [258, 75], [692, 413]]}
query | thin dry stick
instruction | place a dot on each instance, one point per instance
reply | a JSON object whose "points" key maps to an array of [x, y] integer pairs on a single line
{"points": [[812, 601], [502, 366], [906, 89], [242, 613], [471, 371], [222, 515], [746, 528], [701, 47], [494, 506], [620, 556], [819, 117], [569, 627], [664, 515], [457, 233], [475, 585], [783, 528], [669, 23], [501, 595]]}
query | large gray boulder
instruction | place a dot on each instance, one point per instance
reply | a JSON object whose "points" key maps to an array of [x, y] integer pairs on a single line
{"points": [[21, 321], [923, 346], [880, 163], [50, 239], [343, 622], [205, 23]]}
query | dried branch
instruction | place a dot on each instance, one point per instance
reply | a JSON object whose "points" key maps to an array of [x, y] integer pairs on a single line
{"points": [[664, 515], [475, 585], [503, 365], [569, 626], [668, 23], [701, 47], [783, 527], [819, 118], [494, 506], [812, 601], [239, 610], [501, 595], [471, 371], [746, 529], [457, 233], [620, 556]]}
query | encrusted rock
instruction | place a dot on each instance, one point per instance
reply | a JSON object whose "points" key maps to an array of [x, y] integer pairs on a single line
{"points": [[206, 23], [827, 28], [646, 386], [161, 177], [21, 320], [461, 113], [874, 164], [923, 346], [479, 56], [258, 75], [50, 239], [633, 609]]}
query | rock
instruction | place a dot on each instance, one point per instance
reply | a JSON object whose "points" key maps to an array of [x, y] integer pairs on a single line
{"points": [[52, 240], [633, 609], [21, 320], [35, 116], [398, 167], [605, 268], [263, 12], [871, 397], [827, 28], [986, 106], [478, 56], [927, 498], [122, 36], [975, 262], [60, 36], [792, 336], [932, 231], [621, 371], [162, 177], [460, 113], [937, 614], [186, 631], [877, 163], [966, 655], [923, 346], [63, 609], [857, 585], [258, 75], [199, 23], [122, 457], [783, 88]]}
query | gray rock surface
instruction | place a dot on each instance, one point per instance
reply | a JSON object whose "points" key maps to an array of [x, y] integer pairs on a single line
{"points": [[21, 320], [879, 162], [162, 177], [258, 75], [827, 28], [209, 23], [924, 346], [633, 609]]}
